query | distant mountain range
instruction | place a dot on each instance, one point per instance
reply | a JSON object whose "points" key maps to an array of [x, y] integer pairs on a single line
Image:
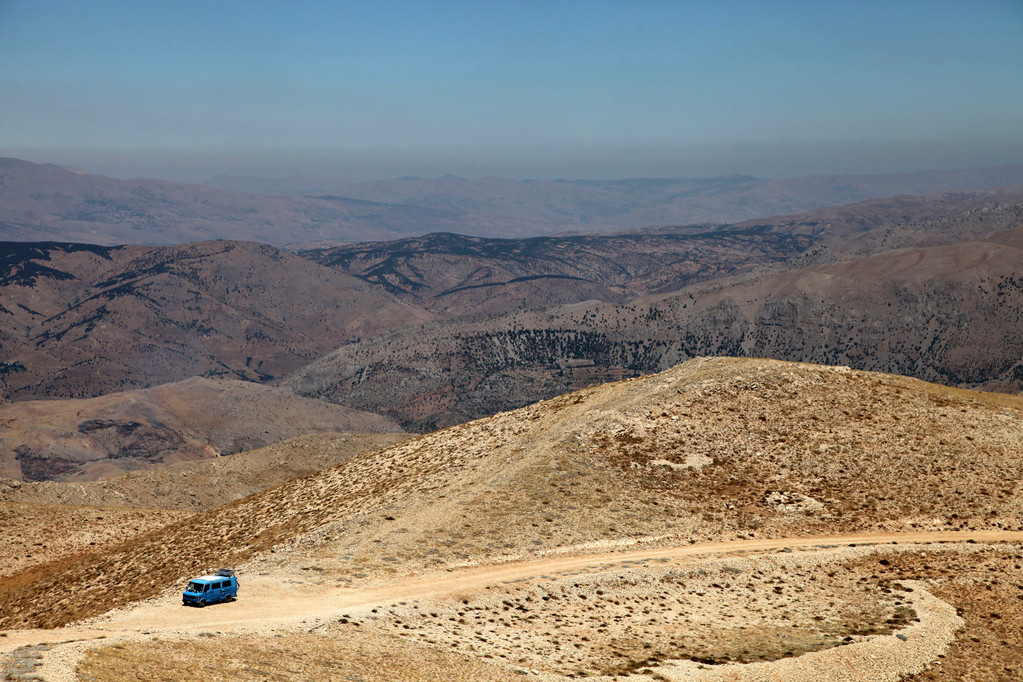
{"points": [[922, 286], [45, 202], [551, 206], [52, 203], [952, 314], [456, 275]]}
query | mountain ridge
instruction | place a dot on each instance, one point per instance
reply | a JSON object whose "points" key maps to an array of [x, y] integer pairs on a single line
{"points": [[567, 205], [949, 313], [81, 321]]}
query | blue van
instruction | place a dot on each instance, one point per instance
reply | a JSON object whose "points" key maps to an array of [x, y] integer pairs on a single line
{"points": [[209, 589]]}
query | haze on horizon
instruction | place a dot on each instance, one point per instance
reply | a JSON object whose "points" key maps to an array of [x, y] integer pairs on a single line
{"points": [[186, 90]]}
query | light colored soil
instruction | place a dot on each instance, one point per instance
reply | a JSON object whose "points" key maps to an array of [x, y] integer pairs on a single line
{"points": [[880, 659], [671, 591], [793, 449], [616, 489], [986, 588]]}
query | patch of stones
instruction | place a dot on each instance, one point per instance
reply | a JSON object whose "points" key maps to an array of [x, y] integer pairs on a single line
{"points": [[21, 664]]}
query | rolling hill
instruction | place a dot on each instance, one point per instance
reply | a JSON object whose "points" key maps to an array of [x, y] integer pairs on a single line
{"points": [[552, 206], [46, 202], [942, 313], [715, 449], [458, 275], [86, 439], [81, 321], [197, 485]]}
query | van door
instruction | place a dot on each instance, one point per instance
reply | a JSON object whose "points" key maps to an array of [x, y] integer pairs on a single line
{"points": [[206, 596]]}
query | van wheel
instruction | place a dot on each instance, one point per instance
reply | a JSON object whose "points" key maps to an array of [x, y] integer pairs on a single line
{"points": [[202, 603]]}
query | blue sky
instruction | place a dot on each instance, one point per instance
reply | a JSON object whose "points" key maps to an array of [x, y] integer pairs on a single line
{"points": [[185, 90]]}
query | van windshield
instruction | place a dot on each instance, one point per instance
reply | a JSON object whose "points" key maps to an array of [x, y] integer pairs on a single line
{"points": [[194, 587]]}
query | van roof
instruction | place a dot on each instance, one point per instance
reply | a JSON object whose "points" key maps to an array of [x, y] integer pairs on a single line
{"points": [[207, 578]]}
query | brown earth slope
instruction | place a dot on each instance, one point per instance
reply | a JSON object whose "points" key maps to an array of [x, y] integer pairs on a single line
{"points": [[34, 534], [193, 419], [712, 449], [456, 274], [951, 313], [203, 484], [46, 522], [80, 321]]}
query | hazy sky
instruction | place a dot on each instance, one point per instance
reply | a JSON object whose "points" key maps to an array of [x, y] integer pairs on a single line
{"points": [[185, 90]]}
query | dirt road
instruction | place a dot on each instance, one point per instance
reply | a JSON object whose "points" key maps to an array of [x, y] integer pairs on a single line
{"points": [[271, 603]]}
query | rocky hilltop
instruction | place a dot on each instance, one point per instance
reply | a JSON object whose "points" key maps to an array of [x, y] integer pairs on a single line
{"points": [[714, 449]]}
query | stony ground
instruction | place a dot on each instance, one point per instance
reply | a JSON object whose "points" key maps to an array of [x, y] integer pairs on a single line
{"points": [[618, 622], [986, 587], [716, 449], [634, 619]]}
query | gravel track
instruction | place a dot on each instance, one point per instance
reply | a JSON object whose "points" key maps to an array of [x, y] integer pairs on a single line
{"points": [[275, 603]]}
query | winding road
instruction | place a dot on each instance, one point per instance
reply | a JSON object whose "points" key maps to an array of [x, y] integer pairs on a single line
{"points": [[269, 603]]}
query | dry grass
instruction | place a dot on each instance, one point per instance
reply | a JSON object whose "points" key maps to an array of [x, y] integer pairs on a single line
{"points": [[32, 535], [603, 621], [584, 472], [351, 655], [715, 449], [204, 484], [620, 621], [986, 587]]}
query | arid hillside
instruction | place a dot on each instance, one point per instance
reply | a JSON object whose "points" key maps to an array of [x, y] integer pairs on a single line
{"points": [[80, 321], [46, 522], [716, 448], [458, 275], [86, 439], [942, 313], [202, 484]]}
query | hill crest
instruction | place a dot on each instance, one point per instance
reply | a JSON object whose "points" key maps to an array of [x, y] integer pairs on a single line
{"points": [[715, 448]]}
